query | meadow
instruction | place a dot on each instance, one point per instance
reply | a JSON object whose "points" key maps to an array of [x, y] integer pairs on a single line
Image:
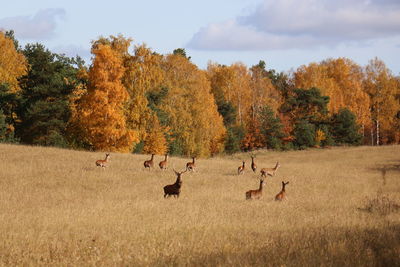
{"points": [[57, 208]]}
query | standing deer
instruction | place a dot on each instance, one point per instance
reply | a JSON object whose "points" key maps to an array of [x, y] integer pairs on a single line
{"points": [[174, 189], [257, 193], [191, 166], [149, 163], [269, 171], [163, 164], [103, 162], [253, 164], [282, 195], [241, 168]]}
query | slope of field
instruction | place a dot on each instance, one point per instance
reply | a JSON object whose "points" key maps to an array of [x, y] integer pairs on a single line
{"points": [[58, 208]]}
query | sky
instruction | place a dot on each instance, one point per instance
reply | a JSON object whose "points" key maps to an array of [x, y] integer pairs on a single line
{"points": [[284, 33]]}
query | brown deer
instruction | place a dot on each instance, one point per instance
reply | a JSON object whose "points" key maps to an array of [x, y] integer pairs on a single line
{"points": [[103, 162], [257, 193], [174, 189], [269, 171], [163, 164], [149, 163], [253, 164], [191, 166], [282, 195], [241, 168]]}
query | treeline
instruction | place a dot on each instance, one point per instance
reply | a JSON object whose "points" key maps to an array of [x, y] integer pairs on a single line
{"points": [[145, 102]]}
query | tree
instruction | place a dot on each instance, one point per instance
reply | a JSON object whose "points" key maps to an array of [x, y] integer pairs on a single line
{"points": [[181, 52], [307, 105], [143, 78], [155, 141], [271, 128], [341, 80], [304, 133], [100, 112], [262, 89], [3, 127], [232, 84], [345, 129], [234, 135], [197, 127], [45, 89], [13, 63], [382, 89], [253, 138]]}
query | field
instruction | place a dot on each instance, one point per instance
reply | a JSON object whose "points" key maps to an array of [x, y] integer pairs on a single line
{"points": [[57, 208]]}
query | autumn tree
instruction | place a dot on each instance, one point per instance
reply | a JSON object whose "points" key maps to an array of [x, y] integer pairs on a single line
{"points": [[143, 76], [155, 141], [341, 80], [197, 127], [221, 78], [100, 112], [13, 65], [382, 88], [262, 89]]}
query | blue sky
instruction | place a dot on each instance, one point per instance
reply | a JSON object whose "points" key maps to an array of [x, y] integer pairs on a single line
{"points": [[284, 33]]}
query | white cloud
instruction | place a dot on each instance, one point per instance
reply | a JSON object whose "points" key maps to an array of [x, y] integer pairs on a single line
{"points": [[40, 26], [283, 24]]}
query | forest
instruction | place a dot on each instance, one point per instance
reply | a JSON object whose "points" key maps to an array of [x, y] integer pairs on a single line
{"points": [[132, 99]]}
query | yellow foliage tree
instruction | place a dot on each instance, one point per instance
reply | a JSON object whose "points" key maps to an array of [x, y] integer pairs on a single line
{"points": [[193, 114], [100, 112], [263, 92], [13, 64], [383, 90], [154, 141], [341, 79], [143, 74]]}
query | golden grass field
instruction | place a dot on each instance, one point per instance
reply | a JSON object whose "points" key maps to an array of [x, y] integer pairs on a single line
{"points": [[59, 209]]}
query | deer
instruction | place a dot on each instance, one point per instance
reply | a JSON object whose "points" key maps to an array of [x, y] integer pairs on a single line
{"points": [[281, 195], [270, 171], [103, 162], [163, 164], [253, 164], [149, 163], [175, 188], [241, 168], [190, 166], [257, 193]]}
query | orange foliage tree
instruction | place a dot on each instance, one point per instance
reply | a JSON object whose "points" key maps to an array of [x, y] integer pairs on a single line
{"points": [[100, 112], [154, 140], [13, 64]]}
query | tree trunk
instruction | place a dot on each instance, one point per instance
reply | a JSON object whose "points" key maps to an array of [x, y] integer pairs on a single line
{"points": [[377, 127], [372, 135]]}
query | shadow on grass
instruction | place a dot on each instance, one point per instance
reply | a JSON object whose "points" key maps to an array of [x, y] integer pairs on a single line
{"points": [[314, 247], [393, 166]]}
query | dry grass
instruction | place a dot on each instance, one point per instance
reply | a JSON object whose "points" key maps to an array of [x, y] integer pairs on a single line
{"points": [[57, 208]]}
